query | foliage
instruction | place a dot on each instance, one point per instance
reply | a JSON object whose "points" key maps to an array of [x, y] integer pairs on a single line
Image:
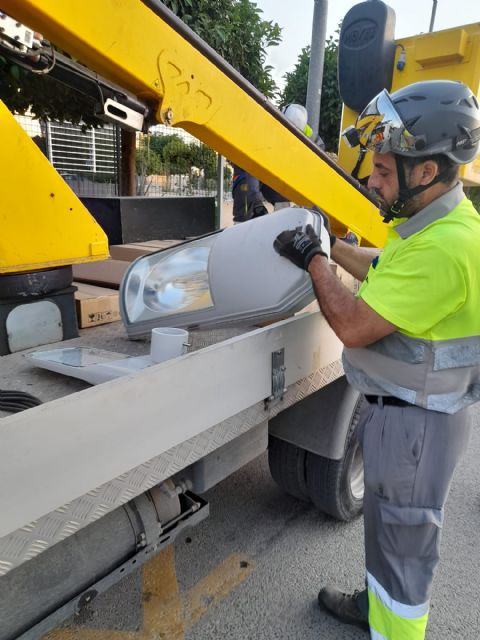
{"points": [[242, 37], [295, 89], [205, 158], [331, 105], [22, 90], [41, 144], [158, 142], [169, 154], [147, 162], [177, 155]]}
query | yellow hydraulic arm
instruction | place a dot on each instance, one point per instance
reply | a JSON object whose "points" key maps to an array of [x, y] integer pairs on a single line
{"points": [[43, 223], [138, 46]]}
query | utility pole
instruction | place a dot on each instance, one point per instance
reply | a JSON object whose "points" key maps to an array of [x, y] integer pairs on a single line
{"points": [[315, 69], [434, 13], [220, 189]]}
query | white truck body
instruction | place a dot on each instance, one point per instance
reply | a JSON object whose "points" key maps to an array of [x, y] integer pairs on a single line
{"points": [[82, 454]]}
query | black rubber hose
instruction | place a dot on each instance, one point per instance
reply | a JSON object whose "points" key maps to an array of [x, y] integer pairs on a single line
{"points": [[15, 401]]}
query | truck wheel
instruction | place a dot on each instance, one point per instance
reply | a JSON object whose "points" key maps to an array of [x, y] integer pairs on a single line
{"points": [[287, 466], [336, 486]]}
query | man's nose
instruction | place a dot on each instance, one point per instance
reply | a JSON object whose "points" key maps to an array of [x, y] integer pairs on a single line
{"points": [[372, 181]]}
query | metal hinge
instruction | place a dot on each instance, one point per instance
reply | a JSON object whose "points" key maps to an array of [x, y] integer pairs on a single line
{"points": [[278, 378]]}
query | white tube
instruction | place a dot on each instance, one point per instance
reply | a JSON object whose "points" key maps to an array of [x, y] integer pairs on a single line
{"points": [[167, 343]]}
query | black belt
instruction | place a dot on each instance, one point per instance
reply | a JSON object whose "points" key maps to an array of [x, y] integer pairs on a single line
{"points": [[391, 400]]}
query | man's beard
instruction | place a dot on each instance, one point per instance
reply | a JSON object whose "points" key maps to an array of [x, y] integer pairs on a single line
{"points": [[380, 201], [409, 210]]}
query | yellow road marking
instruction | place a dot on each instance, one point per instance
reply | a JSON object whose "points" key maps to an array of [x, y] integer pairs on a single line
{"points": [[216, 586], [162, 608], [167, 614]]}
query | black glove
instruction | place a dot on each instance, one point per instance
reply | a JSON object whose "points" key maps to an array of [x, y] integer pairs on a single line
{"points": [[299, 246], [326, 224]]}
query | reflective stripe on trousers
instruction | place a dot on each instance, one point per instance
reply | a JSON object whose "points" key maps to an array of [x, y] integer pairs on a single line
{"points": [[389, 618], [409, 455]]}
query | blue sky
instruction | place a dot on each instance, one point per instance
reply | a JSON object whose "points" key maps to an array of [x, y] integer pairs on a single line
{"points": [[412, 17]]}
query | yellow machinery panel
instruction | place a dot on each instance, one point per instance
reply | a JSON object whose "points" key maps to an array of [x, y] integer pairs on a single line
{"points": [[452, 54], [129, 44], [43, 223]]}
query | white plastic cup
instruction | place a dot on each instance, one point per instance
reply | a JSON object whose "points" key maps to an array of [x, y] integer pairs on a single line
{"points": [[168, 343]]}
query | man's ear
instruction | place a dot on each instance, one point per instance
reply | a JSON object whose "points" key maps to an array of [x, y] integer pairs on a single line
{"points": [[429, 170]]}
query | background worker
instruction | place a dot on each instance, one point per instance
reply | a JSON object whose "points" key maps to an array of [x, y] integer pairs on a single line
{"points": [[249, 194], [412, 342]]}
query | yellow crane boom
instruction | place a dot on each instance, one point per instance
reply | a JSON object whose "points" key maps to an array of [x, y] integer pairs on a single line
{"points": [[141, 47]]}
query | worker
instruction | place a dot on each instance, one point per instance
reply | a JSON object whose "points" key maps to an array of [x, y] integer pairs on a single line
{"points": [[248, 200], [411, 341], [249, 194]]}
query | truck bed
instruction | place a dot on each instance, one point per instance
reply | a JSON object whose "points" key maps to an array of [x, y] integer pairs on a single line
{"points": [[17, 373], [87, 450]]}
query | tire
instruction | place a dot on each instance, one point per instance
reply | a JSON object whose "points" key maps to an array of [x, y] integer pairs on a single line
{"points": [[336, 486], [287, 466]]}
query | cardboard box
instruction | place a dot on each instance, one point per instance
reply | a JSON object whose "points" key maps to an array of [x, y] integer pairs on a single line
{"points": [[158, 244], [134, 250], [107, 273], [129, 252], [95, 305]]}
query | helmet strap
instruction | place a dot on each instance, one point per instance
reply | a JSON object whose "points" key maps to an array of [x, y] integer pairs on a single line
{"points": [[361, 156], [404, 193]]}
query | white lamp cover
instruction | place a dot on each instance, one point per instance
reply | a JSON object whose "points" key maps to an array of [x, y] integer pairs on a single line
{"points": [[230, 277]]}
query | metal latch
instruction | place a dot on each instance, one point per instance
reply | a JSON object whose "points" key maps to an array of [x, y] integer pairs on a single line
{"points": [[278, 378], [118, 113]]}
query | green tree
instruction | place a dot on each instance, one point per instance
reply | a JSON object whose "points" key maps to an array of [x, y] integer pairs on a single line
{"points": [[242, 37], [158, 142], [295, 90], [177, 156], [22, 90], [204, 158], [147, 161]]}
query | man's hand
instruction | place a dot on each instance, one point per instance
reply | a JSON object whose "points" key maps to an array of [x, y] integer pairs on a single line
{"points": [[299, 246]]}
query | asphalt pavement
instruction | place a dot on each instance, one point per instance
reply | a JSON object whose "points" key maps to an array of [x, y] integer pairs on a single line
{"points": [[253, 569]]}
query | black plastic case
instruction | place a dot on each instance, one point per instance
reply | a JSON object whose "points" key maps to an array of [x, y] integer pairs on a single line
{"points": [[366, 53]]}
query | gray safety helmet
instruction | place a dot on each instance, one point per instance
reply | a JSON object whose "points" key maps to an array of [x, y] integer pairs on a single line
{"points": [[434, 117], [444, 117], [422, 119]]}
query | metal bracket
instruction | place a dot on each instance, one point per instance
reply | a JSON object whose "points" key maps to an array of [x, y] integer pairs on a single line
{"points": [[118, 113], [14, 34], [278, 379], [198, 509], [186, 98]]}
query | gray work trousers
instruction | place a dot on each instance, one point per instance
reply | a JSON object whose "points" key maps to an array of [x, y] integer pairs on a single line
{"points": [[409, 455]]}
